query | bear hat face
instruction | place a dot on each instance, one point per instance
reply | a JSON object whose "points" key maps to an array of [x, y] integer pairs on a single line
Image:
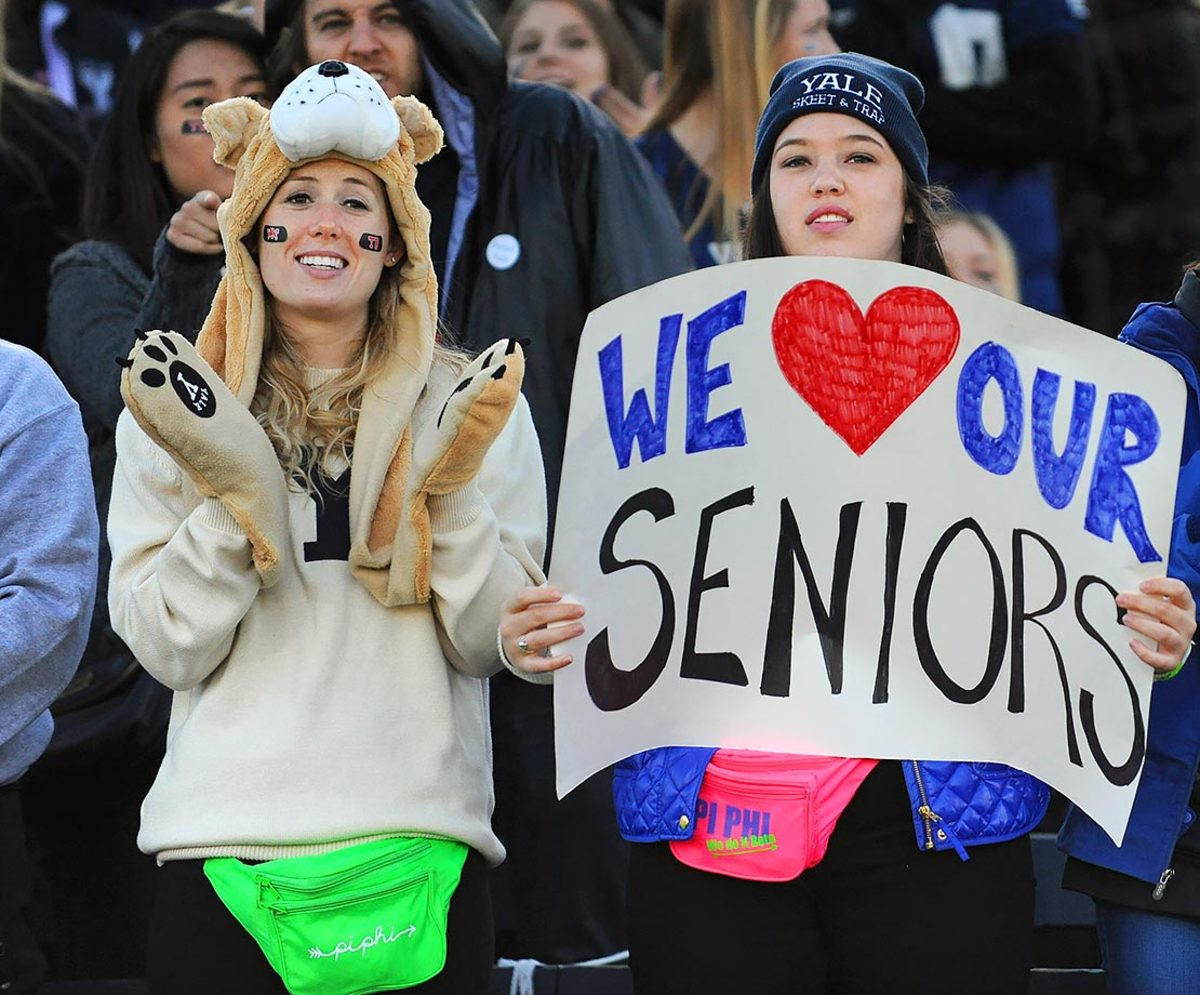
{"points": [[334, 107]]}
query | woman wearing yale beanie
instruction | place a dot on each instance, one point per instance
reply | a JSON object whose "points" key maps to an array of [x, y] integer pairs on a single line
{"points": [[883, 97], [866, 886], [886, 899]]}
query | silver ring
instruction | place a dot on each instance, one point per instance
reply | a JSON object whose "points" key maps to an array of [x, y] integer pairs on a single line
{"points": [[523, 644]]}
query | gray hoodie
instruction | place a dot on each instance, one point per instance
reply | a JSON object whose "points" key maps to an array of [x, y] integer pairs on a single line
{"points": [[48, 541]]}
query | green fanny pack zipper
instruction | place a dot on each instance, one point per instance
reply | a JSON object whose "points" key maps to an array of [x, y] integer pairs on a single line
{"points": [[362, 919]]}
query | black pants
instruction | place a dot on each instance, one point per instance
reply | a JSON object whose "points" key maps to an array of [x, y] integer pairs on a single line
{"points": [[81, 814], [22, 964], [875, 916], [198, 948], [567, 863]]}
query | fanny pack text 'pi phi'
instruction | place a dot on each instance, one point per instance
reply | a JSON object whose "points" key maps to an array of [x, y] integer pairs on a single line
{"points": [[368, 942], [841, 90]]}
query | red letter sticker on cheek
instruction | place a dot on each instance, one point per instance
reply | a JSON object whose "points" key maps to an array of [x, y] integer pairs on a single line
{"points": [[372, 242], [274, 233]]}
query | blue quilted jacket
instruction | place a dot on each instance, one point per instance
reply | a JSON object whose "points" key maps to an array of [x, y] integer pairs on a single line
{"points": [[955, 804], [1160, 809]]}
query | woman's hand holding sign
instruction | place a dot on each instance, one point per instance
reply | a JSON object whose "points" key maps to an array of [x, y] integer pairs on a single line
{"points": [[1165, 613], [532, 623]]}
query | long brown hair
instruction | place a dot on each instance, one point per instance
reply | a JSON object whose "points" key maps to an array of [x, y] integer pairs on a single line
{"points": [[708, 47], [918, 245], [770, 20]]}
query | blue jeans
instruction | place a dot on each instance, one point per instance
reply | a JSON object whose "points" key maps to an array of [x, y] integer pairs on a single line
{"points": [[1148, 954]]}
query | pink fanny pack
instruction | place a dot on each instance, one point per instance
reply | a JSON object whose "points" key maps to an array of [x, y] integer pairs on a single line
{"points": [[768, 816]]}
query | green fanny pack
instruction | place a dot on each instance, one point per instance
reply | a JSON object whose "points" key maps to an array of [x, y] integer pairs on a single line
{"points": [[363, 919]]}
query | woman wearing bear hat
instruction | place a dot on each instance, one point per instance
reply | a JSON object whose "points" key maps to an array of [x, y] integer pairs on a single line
{"points": [[313, 518], [868, 887]]}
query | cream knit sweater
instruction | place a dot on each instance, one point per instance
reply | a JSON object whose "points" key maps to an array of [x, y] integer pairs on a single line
{"points": [[308, 716]]}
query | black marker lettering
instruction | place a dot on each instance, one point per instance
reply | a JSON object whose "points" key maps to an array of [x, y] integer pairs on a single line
{"points": [[612, 689]]}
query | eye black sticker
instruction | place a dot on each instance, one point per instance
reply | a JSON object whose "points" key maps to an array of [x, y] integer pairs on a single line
{"points": [[372, 242], [274, 233], [194, 126]]}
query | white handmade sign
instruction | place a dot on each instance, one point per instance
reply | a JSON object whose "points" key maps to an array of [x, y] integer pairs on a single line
{"points": [[857, 509]]}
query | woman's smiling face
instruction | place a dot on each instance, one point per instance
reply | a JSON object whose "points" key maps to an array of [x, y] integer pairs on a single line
{"points": [[837, 189], [339, 239]]}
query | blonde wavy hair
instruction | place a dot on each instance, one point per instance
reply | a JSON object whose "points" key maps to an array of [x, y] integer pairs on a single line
{"points": [[312, 429]]}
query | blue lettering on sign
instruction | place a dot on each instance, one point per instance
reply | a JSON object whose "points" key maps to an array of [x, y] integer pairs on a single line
{"points": [[649, 430], [1112, 495], [996, 454], [728, 429], [1057, 476]]}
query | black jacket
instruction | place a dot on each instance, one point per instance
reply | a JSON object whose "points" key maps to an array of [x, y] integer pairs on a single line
{"points": [[42, 151], [554, 173]]}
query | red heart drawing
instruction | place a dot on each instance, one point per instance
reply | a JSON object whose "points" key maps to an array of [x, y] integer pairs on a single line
{"points": [[860, 374]]}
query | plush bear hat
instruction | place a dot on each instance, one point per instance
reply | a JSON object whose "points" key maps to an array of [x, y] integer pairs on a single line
{"points": [[332, 110]]}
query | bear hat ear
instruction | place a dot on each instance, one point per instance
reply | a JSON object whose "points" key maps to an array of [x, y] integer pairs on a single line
{"points": [[421, 126], [232, 123]]}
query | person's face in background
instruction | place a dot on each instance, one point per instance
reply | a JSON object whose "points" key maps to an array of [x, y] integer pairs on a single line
{"points": [[368, 33], [805, 32], [201, 73], [553, 42], [837, 189], [322, 273], [970, 256]]}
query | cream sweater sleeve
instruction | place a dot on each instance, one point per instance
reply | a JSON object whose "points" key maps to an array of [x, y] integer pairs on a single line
{"points": [[182, 574], [488, 542]]}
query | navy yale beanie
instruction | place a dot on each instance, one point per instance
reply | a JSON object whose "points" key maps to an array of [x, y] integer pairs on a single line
{"points": [[884, 96]]}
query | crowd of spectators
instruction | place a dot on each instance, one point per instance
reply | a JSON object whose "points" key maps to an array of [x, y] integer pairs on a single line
{"points": [[1065, 137]]}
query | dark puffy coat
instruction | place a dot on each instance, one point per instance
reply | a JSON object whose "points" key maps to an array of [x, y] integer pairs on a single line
{"points": [[551, 172], [42, 151]]}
